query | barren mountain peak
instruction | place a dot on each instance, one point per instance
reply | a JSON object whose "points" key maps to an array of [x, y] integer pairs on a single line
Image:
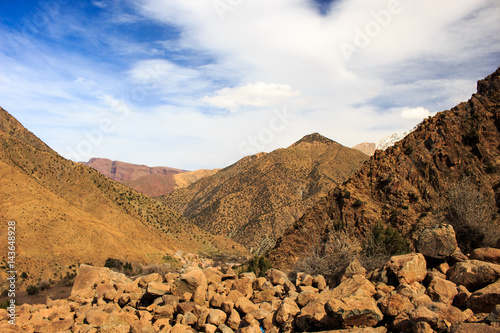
{"points": [[313, 138]]}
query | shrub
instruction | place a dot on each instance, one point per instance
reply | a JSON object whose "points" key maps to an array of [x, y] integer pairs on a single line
{"points": [[259, 265], [469, 212], [356, 204], [113, 263], [32, 290], [24, 275]]}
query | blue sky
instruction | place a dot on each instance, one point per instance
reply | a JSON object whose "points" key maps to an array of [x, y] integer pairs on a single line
{"points": [[201, 84]]}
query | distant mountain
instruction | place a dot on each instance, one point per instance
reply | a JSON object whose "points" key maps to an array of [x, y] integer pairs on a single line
{"points": [[67, 213], [151, 181], [407, 185], [254, 200], [369, 148]]}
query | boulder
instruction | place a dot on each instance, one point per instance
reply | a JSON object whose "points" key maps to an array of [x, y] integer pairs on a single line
{"points": [[276, 277], [115, 324], [213, 275], [263, 296], [437, 243], [286, 311], [92, 281], [354, 268], [394, 304], [441, 290], [147, 279], [157, 289], [243, 305], [356, 310], [216, 317], [96, 317], [234, 320], [484, 300], [305, 296], [462, 296], [357, 285], [319, 282], [473, 328], [488, 254], [243, 285], [408, 268], [473, 274], [313, 317]]}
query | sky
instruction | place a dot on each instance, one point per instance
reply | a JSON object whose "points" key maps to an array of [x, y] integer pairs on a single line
{"points": [[203, 83]]}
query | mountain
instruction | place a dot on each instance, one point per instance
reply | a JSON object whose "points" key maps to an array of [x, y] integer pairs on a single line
{"points": [[254, 200], [407, 186], [151, 181], [67, 213], [369, 148]]}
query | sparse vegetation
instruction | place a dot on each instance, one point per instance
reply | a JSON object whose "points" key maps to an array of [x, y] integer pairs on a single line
{"points": [[32, 290], [469, 213], [258, 265]]}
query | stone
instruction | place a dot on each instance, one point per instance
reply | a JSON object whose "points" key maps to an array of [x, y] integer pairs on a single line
{"points": [[422, 327], [227, 306], [216, 317], [224, 329], [115, 324], [354, 268], [422, 313], [437, 243], [96, 317], [355, 310], [209, 328], [165, 311], [287, 309], [157, 289], [216, 301], [447, 313], [394, 304], [147, 279], [162, 324], [462, 296], [276, 277], [243, 285], [213, 275], [441, 290], [263, 296], [485, 299], [473, 328], [319, 282], [313, 317], [473, 274], [244, 305], [234, 295], [408, 268], [261, 284], [488, 254], [171, 300], [493, 318], [181, 328], [189, 319], [140, 327], [457, 256], [357, 285], [304, 297], [89, 279], [234, 320]]}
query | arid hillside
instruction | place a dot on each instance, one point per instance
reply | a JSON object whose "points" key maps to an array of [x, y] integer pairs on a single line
{"points": [[67, 213], [254, 200], [411, 185]]}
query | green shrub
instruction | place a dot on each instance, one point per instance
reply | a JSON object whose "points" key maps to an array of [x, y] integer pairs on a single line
{"points": [[358, 203], [32, 290], [113, 263], [259, 265]]}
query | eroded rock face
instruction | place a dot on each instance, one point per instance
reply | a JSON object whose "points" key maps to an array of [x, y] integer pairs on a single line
{"points": [[437, 243], [94, 281], [484, 300], [488, 254]]}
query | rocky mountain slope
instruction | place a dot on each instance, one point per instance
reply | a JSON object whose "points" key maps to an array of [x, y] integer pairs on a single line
{"points": [[254, 200], [369, 148], [151, 181], [407, 186], [67, 213]]}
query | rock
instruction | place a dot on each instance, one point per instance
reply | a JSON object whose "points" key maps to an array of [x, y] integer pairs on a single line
{"points": [[209, 328], [287, 310], [234, 295], [147, 279], [462, 296], [355, 310], [357, 285], [224, 329], [244, 305], [394, 304], [157, 289], [248, 275], [319, 282], [243, 285], [261, 284], [437, 243], [304, 297], [422, 313], [181, 286], [181, 328], [234, 320], [213, 275], [96, 317], [227, 306], [422, 327], [473, 274], [189, 319], [441, 290], [447, 314], [171, 300], [276, 277], [92, 281], [313, 317], [216, 317], [488, 254], [457, 256], [140, 327], [162, 325], [485, 299], [165, 311], [354, 268], [473, 328], [263, 296], [216, 301], [115, 324], [493, 318], [408, 268]]}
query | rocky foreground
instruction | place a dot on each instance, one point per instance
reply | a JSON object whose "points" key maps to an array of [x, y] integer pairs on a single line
{"points": [[443, 291]]}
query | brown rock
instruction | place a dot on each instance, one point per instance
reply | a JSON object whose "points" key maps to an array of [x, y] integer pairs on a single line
{"points": [[96, 317], [213, 275], [488, 254], [355, 310], [216, 317], [181, 328], [243, 285], [473, 274], [115, 324], [90, 278], [394, 304], [485, 299], [224, 329], [147, 279], [263, 296], [165, 311], [261, 284], [276, 277], [244, 305], [441, 290], [234, 295], [422, 313], [437, 243], [209, 328], [216, 301], [227, 306], [162, 324], [462, 296], [140, 327], [422, 327], [354, 268], [286, 311], [304, 297], [313, 317], [473, 328], [189, 319], [171, 300], [357, 285], [408, 268], [319, 282], [157, 289], [234, 320]]}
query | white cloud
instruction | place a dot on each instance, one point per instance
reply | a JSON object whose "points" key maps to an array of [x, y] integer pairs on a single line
{"points": [[258, 94], [418, 113]]}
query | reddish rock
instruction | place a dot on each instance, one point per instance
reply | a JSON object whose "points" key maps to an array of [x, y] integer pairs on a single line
{"points": [[356, 310], [485, 299], [276, 277], [287, 310], [243, 305], [234, 320], [157, 289], [216, 317], [473, 274], [90, 278], [441, 290], [488, 254], [473, 328], [437, 243], [408, 268], [243, 285], [394, 304]]}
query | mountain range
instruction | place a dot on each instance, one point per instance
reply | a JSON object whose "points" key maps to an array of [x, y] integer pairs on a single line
{"points": [[408, 185], [254, 200]]}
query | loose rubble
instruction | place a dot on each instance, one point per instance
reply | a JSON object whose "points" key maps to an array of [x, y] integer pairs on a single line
{"points": [[403, 296]]}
